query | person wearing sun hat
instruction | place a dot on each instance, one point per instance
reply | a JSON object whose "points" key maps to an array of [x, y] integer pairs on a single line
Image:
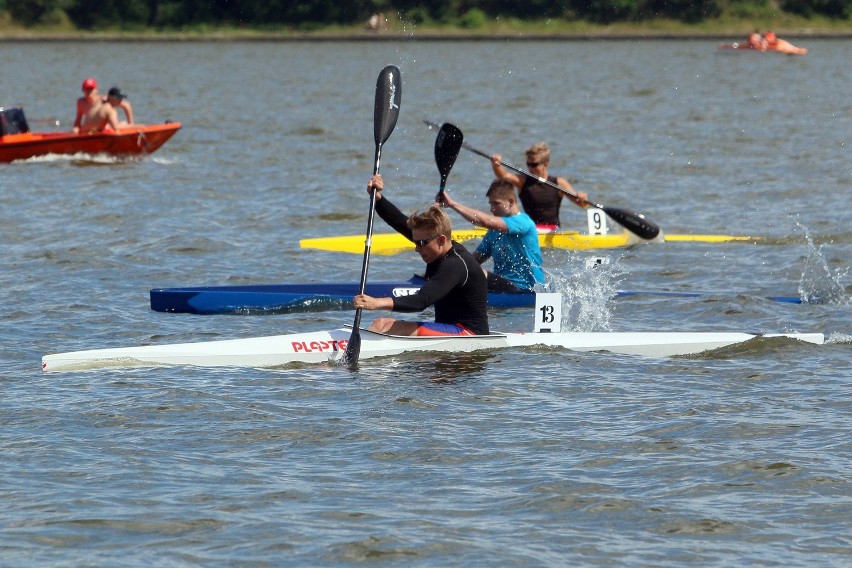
{"points": [[118, 99]]}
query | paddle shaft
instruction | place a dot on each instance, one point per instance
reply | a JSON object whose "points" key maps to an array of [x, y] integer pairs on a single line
{"points": [[545, 181], [368, 242]]}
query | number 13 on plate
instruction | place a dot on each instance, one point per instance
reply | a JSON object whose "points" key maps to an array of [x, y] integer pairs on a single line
{"points": [[548, 313]]}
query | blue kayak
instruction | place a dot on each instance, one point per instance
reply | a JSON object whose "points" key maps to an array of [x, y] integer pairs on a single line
{"points": [[284, 298]]}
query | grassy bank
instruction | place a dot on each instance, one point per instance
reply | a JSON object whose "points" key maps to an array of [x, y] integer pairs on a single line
{"points": [[786, 25]]}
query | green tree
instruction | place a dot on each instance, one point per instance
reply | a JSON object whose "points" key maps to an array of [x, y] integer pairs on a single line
{"points": [[31, 12], [691, 11], [840, 9]]}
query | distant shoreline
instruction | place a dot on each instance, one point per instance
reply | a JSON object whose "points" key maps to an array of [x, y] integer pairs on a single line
{"points": [[395, 37]]}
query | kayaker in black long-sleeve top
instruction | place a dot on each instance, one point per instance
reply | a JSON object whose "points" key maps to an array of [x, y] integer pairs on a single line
{"points": [[455, 283]]}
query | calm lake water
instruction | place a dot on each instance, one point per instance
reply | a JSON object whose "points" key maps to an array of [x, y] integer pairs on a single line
{"points": [[522, 457]]}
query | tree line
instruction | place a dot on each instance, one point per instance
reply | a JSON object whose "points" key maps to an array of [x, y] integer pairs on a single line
{"points": [[308, 14]]}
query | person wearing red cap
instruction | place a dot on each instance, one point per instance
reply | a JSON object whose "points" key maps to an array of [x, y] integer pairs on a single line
{"points": [[93, 114], [87, 103], [774, 43]]}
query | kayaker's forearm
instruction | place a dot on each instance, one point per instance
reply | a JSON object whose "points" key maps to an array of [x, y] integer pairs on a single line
{"points": [[479, 218], [502, 173], [582, 198], [365, 302]]}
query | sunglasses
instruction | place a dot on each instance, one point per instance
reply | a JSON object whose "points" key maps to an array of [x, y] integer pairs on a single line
{"points": [[534, 164], [423, 242]]}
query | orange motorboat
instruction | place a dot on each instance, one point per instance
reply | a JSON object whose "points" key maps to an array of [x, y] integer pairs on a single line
{"points": [[767, 43], [17, 142]]}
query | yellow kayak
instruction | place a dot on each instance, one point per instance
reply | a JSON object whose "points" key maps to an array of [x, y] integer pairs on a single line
{"points": [[394, 243]]}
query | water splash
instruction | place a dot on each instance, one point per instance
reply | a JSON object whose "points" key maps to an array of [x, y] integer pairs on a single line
{"points": [[587, 285], [819, 284], [839, 338], [81, 159]]}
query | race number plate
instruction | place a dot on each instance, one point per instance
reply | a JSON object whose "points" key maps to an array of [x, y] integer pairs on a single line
{"points": [[548, 313], [597, 221]]}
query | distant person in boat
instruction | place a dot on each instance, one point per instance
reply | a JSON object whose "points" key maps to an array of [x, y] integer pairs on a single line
{"points": [[455, 283], [774, 43], [102, 119], [756, 41], [93, 114], [87, 104], [511, 240], [541, 202], [118, 99]]}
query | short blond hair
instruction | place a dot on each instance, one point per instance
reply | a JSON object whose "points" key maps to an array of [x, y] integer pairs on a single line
{"points": [[433, 220], [539, 152]]}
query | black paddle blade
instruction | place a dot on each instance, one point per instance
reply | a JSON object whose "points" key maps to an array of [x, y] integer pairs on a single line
{"points": [[636, 223], [388, 97], [448, 143], [353, 348]]}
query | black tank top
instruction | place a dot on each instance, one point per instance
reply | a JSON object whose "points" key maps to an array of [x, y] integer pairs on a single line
{"points": [[540, 201]]}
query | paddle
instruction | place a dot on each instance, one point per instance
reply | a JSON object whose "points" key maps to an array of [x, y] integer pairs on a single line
{"points": [[448, 143], [385, 113], [634, 222]]}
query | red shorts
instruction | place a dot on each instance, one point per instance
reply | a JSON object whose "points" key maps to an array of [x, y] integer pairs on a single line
{"points": [[437, 329], [543, 228]]}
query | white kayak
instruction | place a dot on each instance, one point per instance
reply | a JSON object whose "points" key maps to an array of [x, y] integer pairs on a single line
{"points": [[329, 347]]}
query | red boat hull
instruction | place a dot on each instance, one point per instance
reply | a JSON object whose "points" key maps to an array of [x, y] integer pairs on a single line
{"points": [[739, 46], [132, 140]]}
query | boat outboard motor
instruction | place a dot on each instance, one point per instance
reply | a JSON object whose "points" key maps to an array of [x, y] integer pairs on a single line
{"points": [[13, 121]]}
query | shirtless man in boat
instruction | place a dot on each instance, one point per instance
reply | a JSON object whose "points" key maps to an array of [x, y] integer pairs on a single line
{"points": [[540, 201], [774, 43], [93, 114], [756, 41], [455, 283], [118, 99]]}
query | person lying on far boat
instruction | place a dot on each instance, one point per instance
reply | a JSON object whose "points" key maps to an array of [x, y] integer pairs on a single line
{"points": [[774, 43], [455, 283], [511, 240], [541, 202], [93, 114], [118, 99]]}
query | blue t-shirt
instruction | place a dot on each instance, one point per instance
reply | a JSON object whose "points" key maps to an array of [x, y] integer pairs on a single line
{"points": [[517, 256]]}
